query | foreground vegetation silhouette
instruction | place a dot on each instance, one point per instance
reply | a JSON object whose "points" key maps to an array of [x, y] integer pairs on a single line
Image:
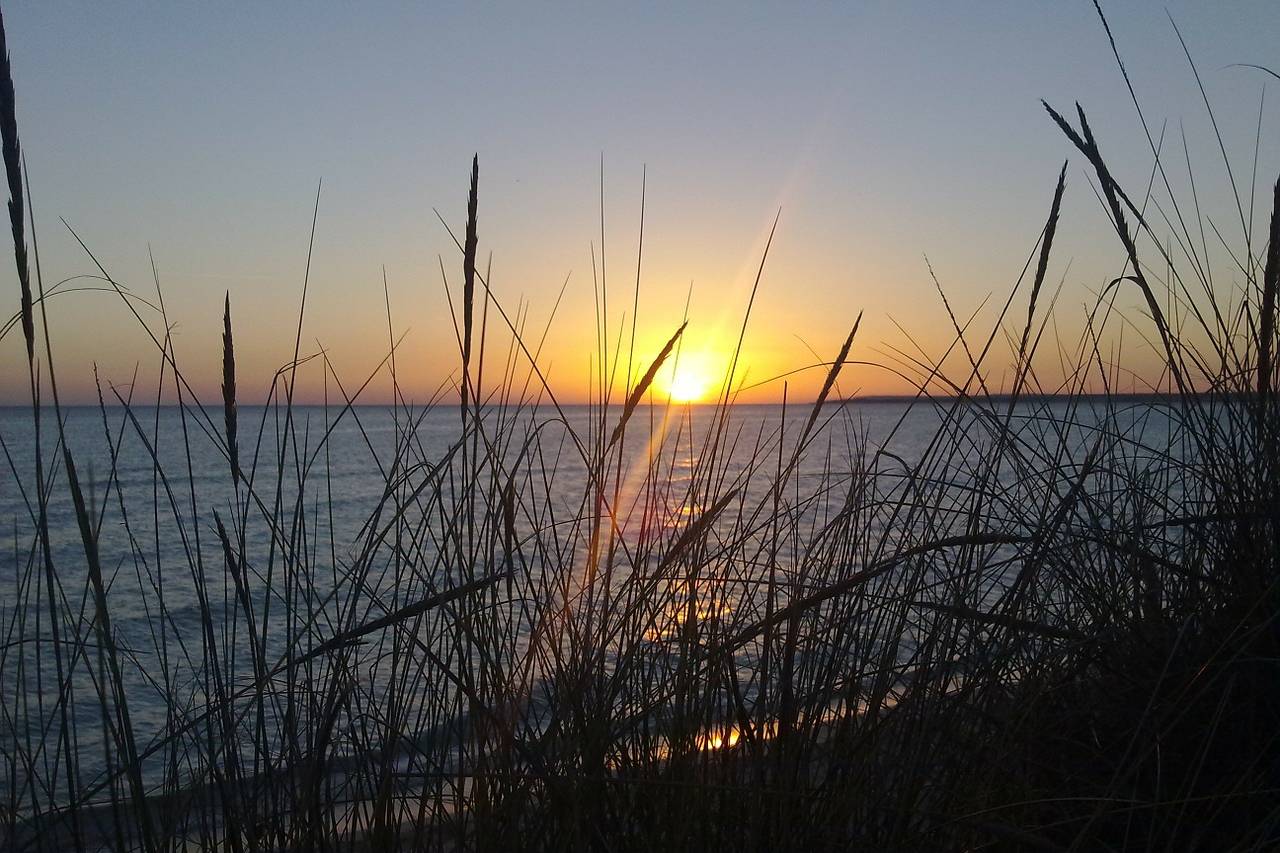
{"points": [[1055, 628]]}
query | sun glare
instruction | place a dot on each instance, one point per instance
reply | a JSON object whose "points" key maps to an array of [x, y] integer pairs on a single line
{"points": [[692, 378], [687, 386]]}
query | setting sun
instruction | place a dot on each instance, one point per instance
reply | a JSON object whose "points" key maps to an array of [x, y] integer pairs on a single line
{"points": [[687, 386], [693, 377]]}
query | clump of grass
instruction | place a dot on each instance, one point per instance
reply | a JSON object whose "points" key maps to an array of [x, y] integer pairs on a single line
{"points": [[1051, 623]]}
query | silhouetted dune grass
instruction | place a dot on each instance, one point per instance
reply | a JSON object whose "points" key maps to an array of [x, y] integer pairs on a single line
{"points": [[652, 626]]}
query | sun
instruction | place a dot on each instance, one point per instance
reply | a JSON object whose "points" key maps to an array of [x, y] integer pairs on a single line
{"points": [[691, 378], [687, 386]]}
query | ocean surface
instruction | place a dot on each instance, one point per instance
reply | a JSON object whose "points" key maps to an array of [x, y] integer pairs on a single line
{"points": [[157, 482]]}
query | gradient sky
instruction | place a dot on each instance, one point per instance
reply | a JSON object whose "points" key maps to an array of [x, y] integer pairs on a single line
{"points": [[883, 131]]}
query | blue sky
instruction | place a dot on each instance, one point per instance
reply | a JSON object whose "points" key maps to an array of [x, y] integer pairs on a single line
{"points": [[884, 131]]}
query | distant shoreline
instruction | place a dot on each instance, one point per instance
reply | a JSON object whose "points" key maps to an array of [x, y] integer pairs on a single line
{"points": [[1125, 397], [1128, 396]]}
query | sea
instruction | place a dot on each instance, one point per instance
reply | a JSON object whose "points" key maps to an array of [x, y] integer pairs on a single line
{"points": [[157, 484]]}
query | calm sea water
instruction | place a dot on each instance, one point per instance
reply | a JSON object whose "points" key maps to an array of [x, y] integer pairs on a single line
{"points": [[157, 521], [347, 458]]}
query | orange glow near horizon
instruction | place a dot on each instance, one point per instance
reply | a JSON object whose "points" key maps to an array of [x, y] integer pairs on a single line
{"points": [[693, 377]]}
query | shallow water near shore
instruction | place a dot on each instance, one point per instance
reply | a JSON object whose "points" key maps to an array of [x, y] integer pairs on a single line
{"points": [[157, 482]]}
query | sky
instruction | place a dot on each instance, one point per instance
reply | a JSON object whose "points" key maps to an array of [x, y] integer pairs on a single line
{"points": [[877, 134]]}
